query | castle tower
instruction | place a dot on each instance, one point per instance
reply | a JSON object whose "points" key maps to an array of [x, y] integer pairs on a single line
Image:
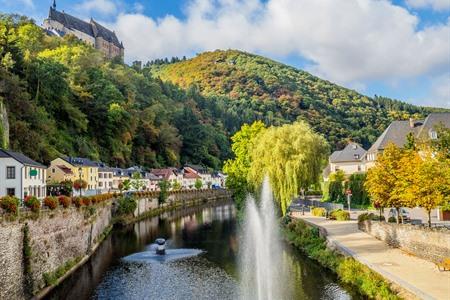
{"points": [[54, 4]]}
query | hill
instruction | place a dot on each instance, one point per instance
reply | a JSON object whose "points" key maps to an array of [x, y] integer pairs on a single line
{"points": [[63, 98], [250, 87]]}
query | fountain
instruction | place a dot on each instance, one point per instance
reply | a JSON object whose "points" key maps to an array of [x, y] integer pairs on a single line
{"points": [[261, 264]]}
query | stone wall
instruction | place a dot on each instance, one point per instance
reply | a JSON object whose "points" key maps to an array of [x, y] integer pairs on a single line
{"points": [[432, 244]]}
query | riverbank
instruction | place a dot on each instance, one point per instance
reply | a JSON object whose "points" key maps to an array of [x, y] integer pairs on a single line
{"points": [[310, 240], [409, 276], [37, 252]]}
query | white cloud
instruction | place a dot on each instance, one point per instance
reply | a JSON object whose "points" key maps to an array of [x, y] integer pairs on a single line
{"points": [[138, 7], [440, 91], [27, 3], [104, 7], [438, 5], [348, 41]]}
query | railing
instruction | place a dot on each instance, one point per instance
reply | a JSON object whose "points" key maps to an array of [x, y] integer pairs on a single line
{"points": [[304, 204]]}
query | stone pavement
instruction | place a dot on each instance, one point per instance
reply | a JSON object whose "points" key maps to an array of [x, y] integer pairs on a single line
{"points": [[417, 276]]}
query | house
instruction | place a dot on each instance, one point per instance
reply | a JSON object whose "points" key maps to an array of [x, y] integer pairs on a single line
{"points": [[170, 174], [152, 182], [105, 178], [189, 179], [119, 176], [398, 131], [218, 180], [350, 160], [20, 176], [60, 23], [203, 172], [82, 168], [60, 173]]}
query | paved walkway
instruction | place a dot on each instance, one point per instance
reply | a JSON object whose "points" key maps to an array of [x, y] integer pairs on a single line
{"points": [[416, 275]]}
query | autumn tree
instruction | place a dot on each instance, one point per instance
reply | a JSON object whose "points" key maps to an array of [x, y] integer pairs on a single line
{"points": [[384, 178], [292, 156]]}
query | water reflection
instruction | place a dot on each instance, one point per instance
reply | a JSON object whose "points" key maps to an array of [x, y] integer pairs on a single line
{"points": [[211, 275]]}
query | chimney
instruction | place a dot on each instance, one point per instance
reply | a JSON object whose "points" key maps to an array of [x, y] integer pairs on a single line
{"points": [[411, 122]]}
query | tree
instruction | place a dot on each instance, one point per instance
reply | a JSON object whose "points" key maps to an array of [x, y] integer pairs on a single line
{"points": [[198, 184], [336, 187], [79, 185], [164, 187], [442, 145], [126, 185], [137, 183], [292, 156], [410, 142], [238, 168], [359, 192], [383, 179], [428, 185], [176, 186]]}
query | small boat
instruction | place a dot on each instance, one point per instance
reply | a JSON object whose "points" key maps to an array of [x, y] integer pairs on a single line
{"points": [[160, 246]]}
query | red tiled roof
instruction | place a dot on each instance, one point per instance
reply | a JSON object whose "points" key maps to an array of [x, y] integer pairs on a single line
{"points": [[190, 175]]}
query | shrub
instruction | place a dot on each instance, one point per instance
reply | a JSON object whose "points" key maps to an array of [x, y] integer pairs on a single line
{"points": [[318, 211], [86, 201], [51, 202], [392, 220], [33, 203], [64, 201], [378, 218], [340, 215], [78, 201], [10, 204], [127, 205]]}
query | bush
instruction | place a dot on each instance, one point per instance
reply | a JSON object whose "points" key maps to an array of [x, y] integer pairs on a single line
{"points": [[64, 201], [127, 205], [340, 215], [33, 203], [78, 201], [392, 220], [318, 211], [378, 218], [10, 204], [51, 202], [86, 201]]}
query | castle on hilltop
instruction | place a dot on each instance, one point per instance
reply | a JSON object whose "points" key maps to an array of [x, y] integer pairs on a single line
{"points": [[101, 38]]}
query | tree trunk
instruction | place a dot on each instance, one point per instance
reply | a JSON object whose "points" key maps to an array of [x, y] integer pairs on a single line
{"points": [[398, 214], [429, 217]]}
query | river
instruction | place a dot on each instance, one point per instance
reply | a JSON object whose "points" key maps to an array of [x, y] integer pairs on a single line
{"points": [[210, 275]]}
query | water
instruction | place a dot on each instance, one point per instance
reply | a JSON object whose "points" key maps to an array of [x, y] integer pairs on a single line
{"points": [[211, 272], [262, 269]]}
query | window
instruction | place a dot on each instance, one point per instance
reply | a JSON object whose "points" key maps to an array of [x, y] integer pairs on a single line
{"points": [[433, 135], [100, 175], [100, 184], [53, 170], [11, 191], [10, 172], [356, 156], [359, 168], [336, 169]]}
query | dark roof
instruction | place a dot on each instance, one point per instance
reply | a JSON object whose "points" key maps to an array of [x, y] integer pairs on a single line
{"points": [[22, 158], [398, 131], [70, 22], [80, 161], [431, 121], [352, 152], [91, 28], [65, 169]]}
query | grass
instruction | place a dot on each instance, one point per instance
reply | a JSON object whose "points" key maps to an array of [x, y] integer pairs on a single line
{"points": [[51, 278], [349, 271]]}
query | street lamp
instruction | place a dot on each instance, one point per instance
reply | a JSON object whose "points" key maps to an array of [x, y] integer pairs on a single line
{"points": [[80, 169]]}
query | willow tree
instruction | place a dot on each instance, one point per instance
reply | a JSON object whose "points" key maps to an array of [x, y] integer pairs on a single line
{"points": [[292, 156]]}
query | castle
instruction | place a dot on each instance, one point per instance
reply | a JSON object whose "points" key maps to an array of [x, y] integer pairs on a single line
{"points": [[92, 33]]}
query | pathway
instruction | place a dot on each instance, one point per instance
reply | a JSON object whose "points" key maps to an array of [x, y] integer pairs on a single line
{"points": [[418, 276]]}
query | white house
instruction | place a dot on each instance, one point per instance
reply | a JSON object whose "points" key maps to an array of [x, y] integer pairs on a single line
{"points": [[350, 160], [202, 172], [105, 178], [20, 176], [189, 180]]}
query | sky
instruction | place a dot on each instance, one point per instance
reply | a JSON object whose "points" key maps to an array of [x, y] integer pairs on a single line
{"points": [[394, 48]]}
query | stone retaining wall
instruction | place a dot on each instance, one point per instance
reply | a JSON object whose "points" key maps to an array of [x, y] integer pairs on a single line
{"points": [[432, 244]]}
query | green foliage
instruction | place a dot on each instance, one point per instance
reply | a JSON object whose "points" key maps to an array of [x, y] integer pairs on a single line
{"points": [[50, 278], [33, 203], [291, 156], [10, 205], [360, 196], [238, 168], [339, 215], [198, 184], [318, 211], [164, 187], [137, 183], [127, 205], [250, 87], [349, 271]]}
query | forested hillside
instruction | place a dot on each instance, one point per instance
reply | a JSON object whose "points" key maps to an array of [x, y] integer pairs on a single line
{"points": [[252, 87], [63, 97]]}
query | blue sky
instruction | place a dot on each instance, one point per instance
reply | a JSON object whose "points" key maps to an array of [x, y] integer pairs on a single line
{"points": [[399, 48]]}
